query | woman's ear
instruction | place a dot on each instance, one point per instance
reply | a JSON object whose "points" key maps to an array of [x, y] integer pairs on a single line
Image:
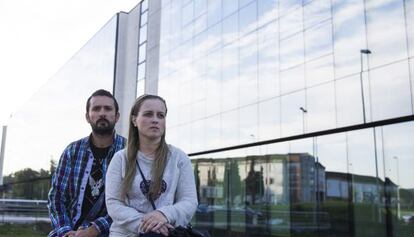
{"points": [[133, 117]]}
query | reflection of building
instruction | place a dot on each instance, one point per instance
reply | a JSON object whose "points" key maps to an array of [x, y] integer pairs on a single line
{"points": [[249, 78], [306, 178], [364, 188], [293, 178]]}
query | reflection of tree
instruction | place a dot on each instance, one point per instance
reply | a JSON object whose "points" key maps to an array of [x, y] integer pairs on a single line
{"points": [[232, 180], [197, 179], [211, 177], [254, 183], [27, 184]]}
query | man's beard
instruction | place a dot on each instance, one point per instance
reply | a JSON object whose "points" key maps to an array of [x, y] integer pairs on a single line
{"points": [[103, 127]]}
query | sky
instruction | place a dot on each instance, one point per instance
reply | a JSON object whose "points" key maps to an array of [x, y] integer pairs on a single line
{"points": [[39, 37]]}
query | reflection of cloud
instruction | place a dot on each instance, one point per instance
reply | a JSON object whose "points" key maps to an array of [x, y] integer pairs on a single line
{"points": [[390, 86], [261, 65], [54, 116]]}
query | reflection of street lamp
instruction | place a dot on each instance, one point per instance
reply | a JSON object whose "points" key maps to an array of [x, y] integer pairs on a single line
{"points": [[363, 51], [398, 188], [303, 118]]}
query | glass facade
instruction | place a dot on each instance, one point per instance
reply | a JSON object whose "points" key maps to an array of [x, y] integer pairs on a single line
{"points": [[55, 115], [238, 72], [355, 183], [142, 47], [228, 60]]}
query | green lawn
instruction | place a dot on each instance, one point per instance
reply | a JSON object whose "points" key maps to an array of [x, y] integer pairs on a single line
{"points": [[20, 230]]}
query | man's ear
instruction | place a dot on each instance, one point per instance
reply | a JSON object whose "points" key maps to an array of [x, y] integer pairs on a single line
{"points": [[117, 116], [87, 117]]}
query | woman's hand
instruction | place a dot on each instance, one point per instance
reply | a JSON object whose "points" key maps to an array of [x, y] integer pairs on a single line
{"points": [[156, 222]]}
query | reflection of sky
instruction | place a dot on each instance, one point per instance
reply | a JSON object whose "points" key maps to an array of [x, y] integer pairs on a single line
{"points": [[295, 55], [55, 115]]}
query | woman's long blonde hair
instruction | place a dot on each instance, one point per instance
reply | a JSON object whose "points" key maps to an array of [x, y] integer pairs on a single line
{"points": [[133, 144]]}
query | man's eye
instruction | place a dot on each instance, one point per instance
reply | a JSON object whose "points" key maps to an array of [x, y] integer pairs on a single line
{"points": [[161, 115]]}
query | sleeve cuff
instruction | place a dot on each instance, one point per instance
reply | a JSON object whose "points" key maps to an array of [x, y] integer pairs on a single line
{"points": [[168, 214], [63, 230], [102, 224]]}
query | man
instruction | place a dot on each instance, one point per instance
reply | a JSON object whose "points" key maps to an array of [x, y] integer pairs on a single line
{"points": [[76, 198]]}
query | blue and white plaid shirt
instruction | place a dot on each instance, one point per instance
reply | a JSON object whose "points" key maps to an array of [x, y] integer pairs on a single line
{"points": [[69, 184]]}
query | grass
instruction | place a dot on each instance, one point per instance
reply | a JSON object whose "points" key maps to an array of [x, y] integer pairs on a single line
{"points": [[26, 230]]}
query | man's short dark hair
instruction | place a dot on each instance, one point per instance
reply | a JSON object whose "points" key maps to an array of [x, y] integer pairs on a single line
{"points": [[101, 92]]}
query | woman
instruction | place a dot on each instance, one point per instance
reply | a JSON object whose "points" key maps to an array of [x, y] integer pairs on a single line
{"points": [[166, 168]]}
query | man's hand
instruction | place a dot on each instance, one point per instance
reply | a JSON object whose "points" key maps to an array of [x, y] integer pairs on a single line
{"points": [[71, 233], [91, 231]]}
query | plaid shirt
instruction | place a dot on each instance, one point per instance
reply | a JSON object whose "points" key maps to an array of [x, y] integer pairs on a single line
{"points": [[69, 184]]}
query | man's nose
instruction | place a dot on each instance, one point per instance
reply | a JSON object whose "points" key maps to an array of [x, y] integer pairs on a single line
{"points": [[102, 113]]}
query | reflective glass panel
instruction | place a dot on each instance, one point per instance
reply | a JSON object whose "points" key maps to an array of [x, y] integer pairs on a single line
{"points": [[141, 87], [318, 41], [212, 132], [291, 23], [292, 51], [248, 117], [248, 70], [200, 7], [143, 34], [213, 83], [269, 119], [197, 136], [248, 18], [316, 12], [230, 82], [141, 71], [334, 176], [390, 86], [230, 29], [268, 61], [366, 184], [144, 18], [188, 13], [55, 115], [349, 36], [398, 160], [142, 52], [230, 128], [320, 102], [292, 80], [412, 81], [267, 11], [213, 12], [319, 71], [292, 118], [200, 24], [348, 101], [214, 37], [385, 20], [409, 12], [229, 7]]}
